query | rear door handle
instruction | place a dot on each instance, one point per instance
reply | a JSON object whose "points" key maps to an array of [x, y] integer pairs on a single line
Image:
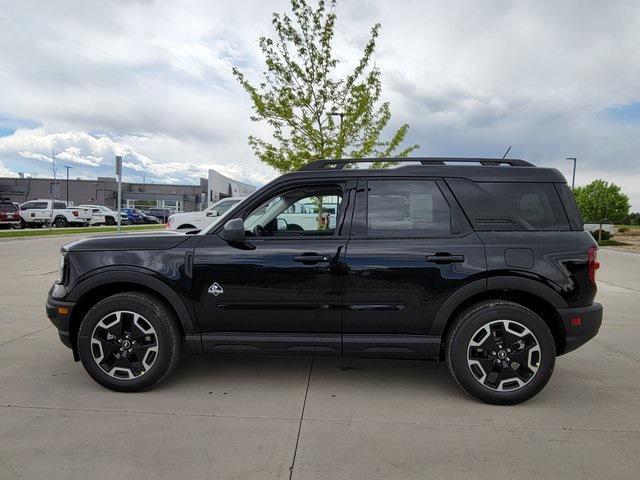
{"points": [[445, 258], [311, 258]]}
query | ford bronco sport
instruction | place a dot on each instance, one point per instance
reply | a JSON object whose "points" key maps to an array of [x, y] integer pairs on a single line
{"points": [[482, 263]]}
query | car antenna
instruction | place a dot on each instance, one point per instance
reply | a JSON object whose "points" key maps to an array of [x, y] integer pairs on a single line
{"points": [[506, 153]]}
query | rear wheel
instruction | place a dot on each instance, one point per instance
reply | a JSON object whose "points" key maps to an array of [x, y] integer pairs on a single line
{"points": [[129, 342], [500, 352]]}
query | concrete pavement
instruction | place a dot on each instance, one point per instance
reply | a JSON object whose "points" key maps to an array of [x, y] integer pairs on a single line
{"points": [[256, 417]]}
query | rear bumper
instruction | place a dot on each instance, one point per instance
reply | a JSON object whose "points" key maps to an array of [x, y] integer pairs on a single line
{"points": [[580, 324], [55, 312]]}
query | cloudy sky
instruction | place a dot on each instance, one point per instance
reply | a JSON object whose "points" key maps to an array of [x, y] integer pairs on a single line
{"points": [[152, 81]]}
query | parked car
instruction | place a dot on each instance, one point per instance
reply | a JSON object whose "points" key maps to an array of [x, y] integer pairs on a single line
{"points": [[9, 215], [132, 215], [199, 220], [481, 263], [38, 213], [147, 218], [110, 217], [162, 214]]}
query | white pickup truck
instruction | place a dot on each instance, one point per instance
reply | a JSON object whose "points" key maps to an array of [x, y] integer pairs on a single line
{"points": [[200, 220], [37, 213]]}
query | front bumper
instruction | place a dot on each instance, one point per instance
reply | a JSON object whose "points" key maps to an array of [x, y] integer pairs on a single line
{"points": [[59, 313], [580, 324]]}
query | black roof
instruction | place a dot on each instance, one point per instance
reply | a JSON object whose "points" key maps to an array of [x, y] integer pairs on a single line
{"points": [[475, 169]]}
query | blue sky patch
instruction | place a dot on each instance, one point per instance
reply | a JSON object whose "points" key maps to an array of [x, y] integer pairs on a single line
{"points": [[8, 124], [625, 113]]}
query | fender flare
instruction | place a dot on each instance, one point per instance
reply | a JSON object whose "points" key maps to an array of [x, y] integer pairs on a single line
{"points": [[526, 285], [141, 277]]}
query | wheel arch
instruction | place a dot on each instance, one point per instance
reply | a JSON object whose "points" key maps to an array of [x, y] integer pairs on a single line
{"points": [[105, 284], [186, 226], [537, 297]]}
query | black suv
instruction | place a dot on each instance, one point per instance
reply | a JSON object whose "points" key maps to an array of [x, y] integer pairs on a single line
{"points": [[482, 263]]}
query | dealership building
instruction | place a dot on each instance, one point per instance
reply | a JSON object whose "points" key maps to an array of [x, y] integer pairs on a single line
{"points": [[104, 191]]}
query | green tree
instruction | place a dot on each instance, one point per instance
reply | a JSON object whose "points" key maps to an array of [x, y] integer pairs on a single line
{"points": [[601, 201], [312, 113]]}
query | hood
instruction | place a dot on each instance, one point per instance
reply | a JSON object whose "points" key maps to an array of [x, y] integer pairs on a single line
{"points": [[154, 241]]}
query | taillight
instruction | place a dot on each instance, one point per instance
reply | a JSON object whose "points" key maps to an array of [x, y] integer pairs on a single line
{"points": [[3, 215], [75, 213], [592, 259]]}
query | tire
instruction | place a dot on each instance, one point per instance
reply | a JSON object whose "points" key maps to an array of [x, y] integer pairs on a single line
{"points": [[155, 332], [500, 352], [186, 227], [60, 222], [110, 221]]}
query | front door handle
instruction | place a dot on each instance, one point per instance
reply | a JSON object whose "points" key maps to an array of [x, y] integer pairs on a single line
{"points": [[312, 258], [445, 258]]}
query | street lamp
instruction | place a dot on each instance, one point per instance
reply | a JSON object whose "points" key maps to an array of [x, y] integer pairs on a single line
{"points": [[67, 167], [338, 114], [573, 178]]}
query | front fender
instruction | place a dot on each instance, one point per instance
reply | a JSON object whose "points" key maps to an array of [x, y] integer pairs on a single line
{"points": [[138, 276]]}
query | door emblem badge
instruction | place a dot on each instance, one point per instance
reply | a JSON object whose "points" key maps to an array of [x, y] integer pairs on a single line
{"points": [[215, 289]]}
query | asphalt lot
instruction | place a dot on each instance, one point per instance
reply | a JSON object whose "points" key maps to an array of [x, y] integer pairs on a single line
{"points": [[253, 417]]}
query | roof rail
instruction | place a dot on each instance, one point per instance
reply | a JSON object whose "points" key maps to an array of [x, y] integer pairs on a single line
{"points": [[339, 164]]}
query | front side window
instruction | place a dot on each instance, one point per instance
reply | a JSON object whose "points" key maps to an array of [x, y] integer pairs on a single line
{"points": [[59, 206], [407, 208], [309, 211]]}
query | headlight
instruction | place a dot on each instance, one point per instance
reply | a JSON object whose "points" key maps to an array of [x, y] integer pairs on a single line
{"points": [[62, 268]]}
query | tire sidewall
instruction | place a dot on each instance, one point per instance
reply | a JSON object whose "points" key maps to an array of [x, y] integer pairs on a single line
{"points": [[473, 320], [156, 314]]}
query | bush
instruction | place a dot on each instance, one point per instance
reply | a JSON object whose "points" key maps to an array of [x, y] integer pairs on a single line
{"points": [[605, 235]]}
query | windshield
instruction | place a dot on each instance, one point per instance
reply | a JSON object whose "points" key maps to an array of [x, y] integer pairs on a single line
{"points": [[224, 215]]}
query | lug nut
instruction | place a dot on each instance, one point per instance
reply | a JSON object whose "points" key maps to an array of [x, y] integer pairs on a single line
{"points": [[131, 350]]}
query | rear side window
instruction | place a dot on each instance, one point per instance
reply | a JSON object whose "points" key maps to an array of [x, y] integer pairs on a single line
{"points": [[511, 206], [7, 207], [34, 206], [536, 205], [407, 208]]}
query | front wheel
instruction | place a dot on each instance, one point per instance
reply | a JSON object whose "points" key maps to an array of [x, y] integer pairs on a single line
{"points": [[500, 352], [60, 222], [129, 342]]}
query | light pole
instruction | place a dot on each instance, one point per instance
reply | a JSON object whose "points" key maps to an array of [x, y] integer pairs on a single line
{"points": [[573, 178], [67, 167], [341, 115]]}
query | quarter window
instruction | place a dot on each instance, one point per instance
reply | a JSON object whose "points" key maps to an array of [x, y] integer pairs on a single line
{"points": [[407, 208]]}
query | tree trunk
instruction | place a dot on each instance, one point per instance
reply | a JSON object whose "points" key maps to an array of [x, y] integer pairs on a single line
{"points": [[600, 233]]}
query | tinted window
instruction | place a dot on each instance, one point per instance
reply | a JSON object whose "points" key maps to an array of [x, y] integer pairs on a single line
{"points": [[59, 206], [407, 208], [7, 207], [535, 205], [34, 206], [310, 211]]}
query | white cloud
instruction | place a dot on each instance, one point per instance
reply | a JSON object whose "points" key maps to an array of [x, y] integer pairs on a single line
{"points": [[152, 81]]}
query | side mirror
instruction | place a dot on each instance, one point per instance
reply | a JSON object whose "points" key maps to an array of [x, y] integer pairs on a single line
{"points": [[213, 213], [234, 230]]}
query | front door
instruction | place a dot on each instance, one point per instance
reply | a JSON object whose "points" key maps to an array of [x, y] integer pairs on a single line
{"points": [[287, 277], [411, 248]]}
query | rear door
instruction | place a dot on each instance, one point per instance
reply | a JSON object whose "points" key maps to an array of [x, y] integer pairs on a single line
{"points": [[410, 249]]}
